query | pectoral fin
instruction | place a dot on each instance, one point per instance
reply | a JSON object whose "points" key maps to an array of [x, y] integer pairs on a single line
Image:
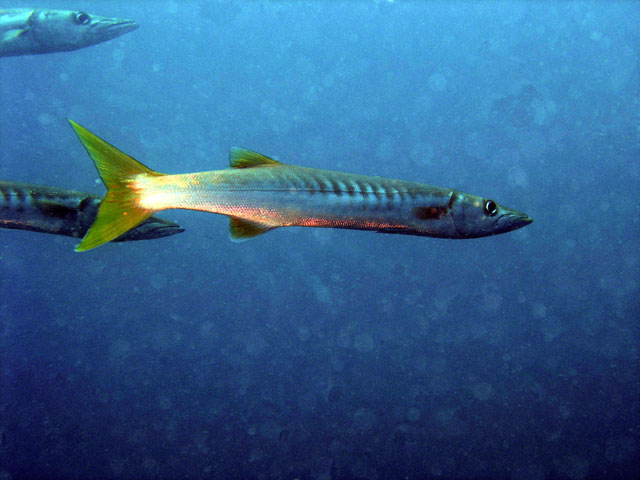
{"points": [[241, 229], [10, 35]]}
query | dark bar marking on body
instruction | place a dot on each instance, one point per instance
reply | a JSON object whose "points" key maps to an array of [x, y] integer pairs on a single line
{"points": [[363, 188], [337, 189]]}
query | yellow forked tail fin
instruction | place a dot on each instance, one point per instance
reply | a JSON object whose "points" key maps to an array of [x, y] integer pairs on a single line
{"points": [[119, 211]]}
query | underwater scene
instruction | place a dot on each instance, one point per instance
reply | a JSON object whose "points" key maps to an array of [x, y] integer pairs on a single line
{"points": [[456, 294]]}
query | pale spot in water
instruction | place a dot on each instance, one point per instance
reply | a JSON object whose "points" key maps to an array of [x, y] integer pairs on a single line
{"points": [[482, 391], [45, 119], [255, 344], [165, 401], [538, 310], [118, 55], [207, 329], [364, 419], [117, 466], [119, 350], [337, 363], [574, 467], [270, 430], [158, 281], [551, 328], [320, 290], [172, 8], [422, 153], [256, 455], [363, 342], [621, 449], [476, 145], [385, 148], [437, 82], [491, 298], [532, 144], [517, 177], [448, 421], [413, 414], [528, 472], [304, 333], [344, 337]]}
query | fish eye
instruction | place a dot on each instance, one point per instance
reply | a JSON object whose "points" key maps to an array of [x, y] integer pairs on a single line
{"points": [[490, 208], [81, 18]]}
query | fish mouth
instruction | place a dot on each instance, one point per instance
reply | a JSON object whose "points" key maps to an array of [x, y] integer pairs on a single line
{"points": [[151, 229], [122, 26], [524, 219], [110, 28], [516, 220], [162, 228]]}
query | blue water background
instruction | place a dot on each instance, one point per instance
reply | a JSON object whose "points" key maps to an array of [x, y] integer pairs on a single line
{"points": [[321, 354]]}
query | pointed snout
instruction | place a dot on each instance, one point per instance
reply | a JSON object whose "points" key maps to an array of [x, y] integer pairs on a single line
{"points": [[114, 27], [515, 220], [524, 219]]}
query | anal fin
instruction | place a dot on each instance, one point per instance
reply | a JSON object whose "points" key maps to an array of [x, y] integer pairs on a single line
{"points": [[241, 229]]}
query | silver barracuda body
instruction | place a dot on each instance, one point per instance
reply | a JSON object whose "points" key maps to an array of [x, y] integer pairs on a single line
{"points": [[259, 194]]}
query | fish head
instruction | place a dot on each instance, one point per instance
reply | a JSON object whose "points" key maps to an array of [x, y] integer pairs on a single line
{"points": [[475, 216], [151, 228], [63, 30]]}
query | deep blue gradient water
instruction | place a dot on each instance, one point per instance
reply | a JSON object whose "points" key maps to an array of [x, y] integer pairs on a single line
{"points": [[321, 354]]}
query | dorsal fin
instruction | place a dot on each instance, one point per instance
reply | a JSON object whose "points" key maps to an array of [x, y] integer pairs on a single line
{"points": [[242, 158]]}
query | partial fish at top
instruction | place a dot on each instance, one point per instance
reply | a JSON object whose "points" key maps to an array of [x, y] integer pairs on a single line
{"points": [[26, 32], [260, 194]]}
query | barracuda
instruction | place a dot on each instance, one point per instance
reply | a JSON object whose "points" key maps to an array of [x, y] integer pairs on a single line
{"points": [[58, 211], [25, 31], [260, 194]]}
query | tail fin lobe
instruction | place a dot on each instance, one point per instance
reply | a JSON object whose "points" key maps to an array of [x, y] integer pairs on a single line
{"points": [[119, 211]]}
